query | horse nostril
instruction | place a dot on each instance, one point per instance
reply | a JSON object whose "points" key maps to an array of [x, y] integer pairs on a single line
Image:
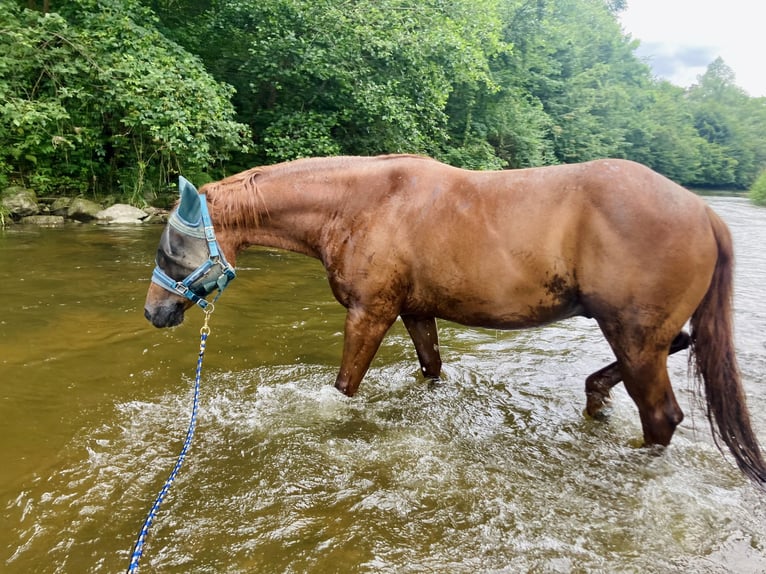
{"points": [[165, 315]]}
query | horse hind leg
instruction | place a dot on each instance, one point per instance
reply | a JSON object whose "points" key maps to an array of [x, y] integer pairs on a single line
{"points": [[642, 358], [648, 384], [598, 385], [423, 333]]}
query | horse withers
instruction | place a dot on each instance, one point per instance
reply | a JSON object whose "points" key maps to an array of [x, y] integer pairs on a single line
{"points": [[407, 236]]}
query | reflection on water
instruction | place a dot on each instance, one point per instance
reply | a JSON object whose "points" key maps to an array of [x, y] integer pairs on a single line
{"points": [[493, 469]]}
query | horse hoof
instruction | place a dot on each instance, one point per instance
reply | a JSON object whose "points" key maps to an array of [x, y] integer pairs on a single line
{"points": [[433, 384], [345, 388], [598, 406], [602, 414]]}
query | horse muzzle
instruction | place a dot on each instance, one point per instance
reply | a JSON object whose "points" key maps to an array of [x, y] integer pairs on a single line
{"points": [[165, 316], [163, 310]]}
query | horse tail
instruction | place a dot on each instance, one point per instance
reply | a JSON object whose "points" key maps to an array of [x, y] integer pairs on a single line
{"points": [[716, 364]]}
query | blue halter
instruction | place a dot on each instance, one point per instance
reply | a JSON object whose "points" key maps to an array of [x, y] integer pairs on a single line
{"points": [[215, 273]]}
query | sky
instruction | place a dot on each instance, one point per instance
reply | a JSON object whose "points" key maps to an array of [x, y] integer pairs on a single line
{"points": [[679, 38]]}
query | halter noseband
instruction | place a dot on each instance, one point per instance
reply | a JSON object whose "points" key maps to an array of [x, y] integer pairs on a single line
{"points": [[201, 282]]}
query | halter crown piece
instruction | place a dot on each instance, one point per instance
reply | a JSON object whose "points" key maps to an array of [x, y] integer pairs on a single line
{"points": [[192, 218]]}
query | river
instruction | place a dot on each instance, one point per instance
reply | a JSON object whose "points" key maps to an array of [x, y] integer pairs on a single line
{"points": [[493, 469]]}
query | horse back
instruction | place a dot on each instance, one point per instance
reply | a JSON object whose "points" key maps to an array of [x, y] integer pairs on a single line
{"points": [[524, 247]]}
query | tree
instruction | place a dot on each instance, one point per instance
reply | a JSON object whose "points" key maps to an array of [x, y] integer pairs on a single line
{"points": [[663, 134], [758, 190], [732, 127], [319, 77], [572, 59], [100, 95], [94, 100]]}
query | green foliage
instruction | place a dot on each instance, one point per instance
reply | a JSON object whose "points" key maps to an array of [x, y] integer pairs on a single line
{"points": [[573, 61], [758, 190], [112, 96], [731, 126], [662, 134], [95, 99], [317, 77]]}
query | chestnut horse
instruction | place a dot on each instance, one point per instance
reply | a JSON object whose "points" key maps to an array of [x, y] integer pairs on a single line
{"points": [[409, 237]]}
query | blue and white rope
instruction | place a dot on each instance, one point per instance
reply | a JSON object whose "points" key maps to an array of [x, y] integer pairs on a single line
{"points": [[138, 549]]}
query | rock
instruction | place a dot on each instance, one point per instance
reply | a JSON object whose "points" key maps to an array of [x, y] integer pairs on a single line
{"points": [[43, 220], [19, 202], [83, 209], [60, 206], [156, 215], [158, 218], [121, 213]]}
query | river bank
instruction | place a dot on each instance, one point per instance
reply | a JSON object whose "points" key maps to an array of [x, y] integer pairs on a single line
{"points": [[21, 205]]}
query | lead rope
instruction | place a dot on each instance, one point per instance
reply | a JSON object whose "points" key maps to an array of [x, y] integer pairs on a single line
{"points": [[138, 549]]}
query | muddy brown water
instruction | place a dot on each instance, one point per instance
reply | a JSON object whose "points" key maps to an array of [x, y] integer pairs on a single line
{"points": [[493, 469]]}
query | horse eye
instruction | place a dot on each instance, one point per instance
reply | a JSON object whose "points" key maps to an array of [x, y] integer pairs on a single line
{"points": [[169, 266], [162, 259]]}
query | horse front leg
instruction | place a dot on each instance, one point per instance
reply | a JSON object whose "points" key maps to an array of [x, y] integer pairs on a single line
{"points": [[363, 334], [598, 386], [423, 332]]}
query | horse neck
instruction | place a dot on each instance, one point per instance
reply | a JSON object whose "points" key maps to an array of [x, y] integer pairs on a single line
{"points": [[271, 210]]}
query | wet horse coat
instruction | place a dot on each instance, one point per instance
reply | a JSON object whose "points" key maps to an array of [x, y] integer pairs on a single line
{"points": [[411, 237]]}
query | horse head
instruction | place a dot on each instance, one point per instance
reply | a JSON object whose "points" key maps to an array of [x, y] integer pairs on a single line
{"points": [[190, 265]]}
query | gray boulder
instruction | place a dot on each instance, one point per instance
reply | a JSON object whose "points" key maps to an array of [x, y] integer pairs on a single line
{"points": [[156, 215], [19, 202], [43, 220], [60, 206], [83, 209], [121, 213]]}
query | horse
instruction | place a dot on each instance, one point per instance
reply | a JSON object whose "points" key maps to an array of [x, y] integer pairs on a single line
{"points": [[410, 237]]}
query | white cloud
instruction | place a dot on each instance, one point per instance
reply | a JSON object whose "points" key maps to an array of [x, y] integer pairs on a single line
{"points": [[679, 38]]}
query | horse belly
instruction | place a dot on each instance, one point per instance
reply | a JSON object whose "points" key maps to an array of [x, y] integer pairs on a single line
{"points": [[497, 302]]}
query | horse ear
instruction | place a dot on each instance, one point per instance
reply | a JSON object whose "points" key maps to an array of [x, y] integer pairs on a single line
{"points": [[188, 208]]}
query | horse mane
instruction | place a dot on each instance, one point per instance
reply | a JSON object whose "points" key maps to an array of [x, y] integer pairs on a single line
{"points": [[237, 201]]}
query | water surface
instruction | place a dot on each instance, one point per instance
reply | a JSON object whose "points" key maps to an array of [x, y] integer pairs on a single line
{"points": [[494, 469]]}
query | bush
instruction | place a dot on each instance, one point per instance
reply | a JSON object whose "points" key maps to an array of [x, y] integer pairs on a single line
{"points": [[758, 190], [95, 99]]}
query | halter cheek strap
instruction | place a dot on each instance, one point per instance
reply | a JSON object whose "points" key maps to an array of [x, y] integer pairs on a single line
{"points": [[216, 258]]}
